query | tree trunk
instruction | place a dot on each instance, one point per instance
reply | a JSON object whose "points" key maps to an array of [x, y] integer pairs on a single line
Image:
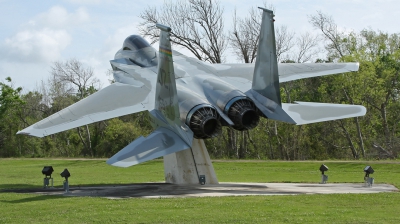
{"points": [[83, 141], [359, 134], [252, 142], [361, 141], [385, 126], [348, 137], [89, 141]]}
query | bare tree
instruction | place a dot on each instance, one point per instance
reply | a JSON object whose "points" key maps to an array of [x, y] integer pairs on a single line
{"points": [[197, 25], [246, 33], [72, 77], [336, 47], [284, 41], [56, 95], [244, 37], [306, 46]]}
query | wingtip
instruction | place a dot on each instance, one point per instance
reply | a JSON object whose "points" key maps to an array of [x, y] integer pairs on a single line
{"points": [[23, 132], [266, 10], [364, 110], [113, 162], [31, 132], [353, 67], [163, 27], [357, 66]]}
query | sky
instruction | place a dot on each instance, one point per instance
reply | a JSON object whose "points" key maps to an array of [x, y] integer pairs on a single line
{"points": [[35, 34]]}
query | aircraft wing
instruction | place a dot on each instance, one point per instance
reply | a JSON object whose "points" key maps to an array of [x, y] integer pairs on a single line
{"points": [[307, 112], [287, 71], [159, 143], [294, 71], [113, 101]]}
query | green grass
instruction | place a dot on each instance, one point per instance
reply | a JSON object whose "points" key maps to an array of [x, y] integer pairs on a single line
{"points": [[337, 208]]}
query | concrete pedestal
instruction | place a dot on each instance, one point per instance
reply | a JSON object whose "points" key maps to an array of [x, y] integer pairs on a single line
{"points": [[185, 167]]}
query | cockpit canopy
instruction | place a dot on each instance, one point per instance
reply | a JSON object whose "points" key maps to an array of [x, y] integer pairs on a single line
{"points": [[138, 51], [134, 43]]}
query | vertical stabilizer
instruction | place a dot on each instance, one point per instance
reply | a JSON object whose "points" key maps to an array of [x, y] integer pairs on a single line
{"points": [[266, 77], [166, 94], [166, 113]]}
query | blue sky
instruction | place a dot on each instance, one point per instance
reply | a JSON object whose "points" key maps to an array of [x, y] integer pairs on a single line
{"points": [[34, 34]]}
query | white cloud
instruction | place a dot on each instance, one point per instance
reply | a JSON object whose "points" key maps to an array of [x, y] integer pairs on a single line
{"points": [[44, 45], [44, 37], [59, 17], [86, 2]]}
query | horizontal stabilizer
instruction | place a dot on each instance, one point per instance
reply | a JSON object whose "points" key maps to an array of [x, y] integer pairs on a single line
{"points": [[159, 143], [306, 113], [113, 101]]}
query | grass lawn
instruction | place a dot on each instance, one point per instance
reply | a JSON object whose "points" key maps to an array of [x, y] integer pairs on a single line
{"points": [[337, 208]]}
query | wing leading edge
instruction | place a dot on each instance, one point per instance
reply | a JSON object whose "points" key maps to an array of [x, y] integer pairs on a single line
{"points": [[287, 71]]}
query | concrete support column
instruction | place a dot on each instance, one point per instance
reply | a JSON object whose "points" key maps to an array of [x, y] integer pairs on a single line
{"points": [[186, 166]]}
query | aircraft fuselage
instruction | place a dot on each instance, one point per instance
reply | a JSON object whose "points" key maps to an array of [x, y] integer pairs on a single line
{"points": [[205, 101]]}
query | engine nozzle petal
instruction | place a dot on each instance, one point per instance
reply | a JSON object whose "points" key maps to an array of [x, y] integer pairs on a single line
{"points": [[204, 122], [243, 113]]}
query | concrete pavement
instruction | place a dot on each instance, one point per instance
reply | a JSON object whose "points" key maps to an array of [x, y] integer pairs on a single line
{"points": [[163, 190]]}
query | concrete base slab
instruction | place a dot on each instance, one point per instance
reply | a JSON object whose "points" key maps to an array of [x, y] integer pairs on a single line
{"points": [[164, 190]]}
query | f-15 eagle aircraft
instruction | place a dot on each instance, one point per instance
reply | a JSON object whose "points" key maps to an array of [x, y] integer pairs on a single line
{"points": [[189, 99]]}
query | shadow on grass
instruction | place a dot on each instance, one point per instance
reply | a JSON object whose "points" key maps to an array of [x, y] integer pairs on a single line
{"points": [[33, 199], [60, 165], [5, 187], [29, 189], [79, 162], [24, 188]]}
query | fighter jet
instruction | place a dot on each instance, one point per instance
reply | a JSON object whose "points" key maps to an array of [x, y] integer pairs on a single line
{"points": [[190, 99]]}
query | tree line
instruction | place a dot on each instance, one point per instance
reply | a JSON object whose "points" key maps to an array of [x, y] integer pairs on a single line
{"points": [[198, 25]]}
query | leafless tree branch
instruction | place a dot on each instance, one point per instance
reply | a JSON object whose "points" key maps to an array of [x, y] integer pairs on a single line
{"points": [[197, 25]]}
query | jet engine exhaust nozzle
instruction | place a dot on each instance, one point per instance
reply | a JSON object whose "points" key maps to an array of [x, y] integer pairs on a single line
{"points": [[244, 114], [204, 122]]}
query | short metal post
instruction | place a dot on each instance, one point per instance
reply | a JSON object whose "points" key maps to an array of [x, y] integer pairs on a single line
{"points": [[47, 181], [369, 181], [324, 179], [66, 186]]}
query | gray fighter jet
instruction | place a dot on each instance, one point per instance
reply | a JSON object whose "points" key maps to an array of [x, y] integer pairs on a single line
{"points": [[188, 98]]}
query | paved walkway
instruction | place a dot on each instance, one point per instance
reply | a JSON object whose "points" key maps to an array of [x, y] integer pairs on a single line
{"points": [[157, 190]]}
